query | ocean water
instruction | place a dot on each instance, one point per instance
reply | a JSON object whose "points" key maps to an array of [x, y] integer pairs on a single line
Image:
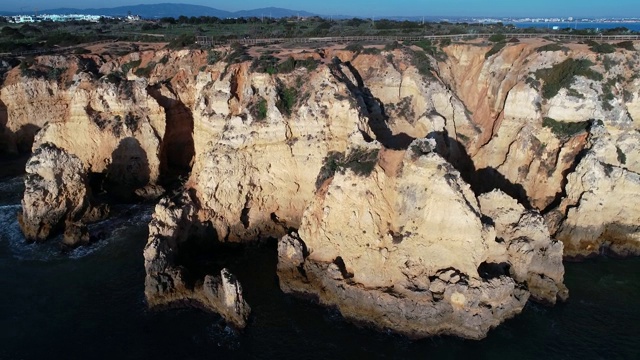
{"points": [[634, 26], [89, 304]]}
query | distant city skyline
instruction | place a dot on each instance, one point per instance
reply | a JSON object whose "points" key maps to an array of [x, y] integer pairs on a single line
{"points": [[466, 8]]}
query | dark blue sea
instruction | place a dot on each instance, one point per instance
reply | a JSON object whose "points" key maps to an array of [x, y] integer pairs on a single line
{"points": [[89, 304], [634, 26]]}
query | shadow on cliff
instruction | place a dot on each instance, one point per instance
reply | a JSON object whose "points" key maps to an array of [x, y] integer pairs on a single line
{"points": [[371, 107], [177, 149], [481, 180], [15, 143], [15, 148], [128, 171]]}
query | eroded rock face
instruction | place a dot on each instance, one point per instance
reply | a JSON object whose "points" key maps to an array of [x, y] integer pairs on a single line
{"points": [[257, 166], [525, 247], [402, 248], [593, 216], [168, 283], [57, 197]]}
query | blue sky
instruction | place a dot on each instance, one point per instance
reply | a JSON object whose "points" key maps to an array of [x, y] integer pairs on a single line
{"points": [[576, 8]]}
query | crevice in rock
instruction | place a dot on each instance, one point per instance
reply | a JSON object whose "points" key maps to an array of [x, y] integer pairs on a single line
{"points": [[563, 184], [489, 270], [482, 180], [339, 262], [128, 170], [177, 149], [371, 107]]}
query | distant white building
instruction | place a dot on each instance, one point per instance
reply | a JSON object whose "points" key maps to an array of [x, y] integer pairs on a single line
{"points": [[55, 17], [19, 19]]}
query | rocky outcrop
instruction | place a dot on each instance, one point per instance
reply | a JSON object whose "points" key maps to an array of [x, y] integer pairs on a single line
{"points": [[169, 283], [408, 248], [565, 153], [57, 197], [594, 217], [526, 247], [254, 176]]}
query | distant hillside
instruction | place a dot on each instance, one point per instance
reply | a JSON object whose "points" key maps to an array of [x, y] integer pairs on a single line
{"points": [[271, 11], [172, 10]]}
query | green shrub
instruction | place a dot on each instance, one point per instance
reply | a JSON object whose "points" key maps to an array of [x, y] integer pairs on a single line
{"points": [[552, 47], [574, 93], [261, 109], [495, 49], [371, 51], [562, 75], [497, 38], [213, 57], [354, 47], [421, 61], [54, 73], [238, 54], [392, 46], [269, 64], [389, 58], [609, 63], [182, 41], [287, 97], [145, 71], [627, 45], [287, 66], [601, 48], [565, 129], [266, 63], [130, 65], [81, 50], [360, 160], [533, 82]]}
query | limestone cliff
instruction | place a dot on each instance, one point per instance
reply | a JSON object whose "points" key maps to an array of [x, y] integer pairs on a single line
{"points": [[317, 147], [168, 282], [537, 103], [57, 197], [407, 248]]}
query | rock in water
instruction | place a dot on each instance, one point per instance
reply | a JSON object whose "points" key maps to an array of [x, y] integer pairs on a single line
{"points": [[168, 283], [401, 249], [57, 197]]}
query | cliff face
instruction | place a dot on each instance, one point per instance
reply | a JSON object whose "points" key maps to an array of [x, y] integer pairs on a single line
{"points": [[407, 247], [327, 149], [532, 139]]}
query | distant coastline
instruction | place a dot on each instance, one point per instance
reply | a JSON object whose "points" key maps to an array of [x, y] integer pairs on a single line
{"points": [[634, 26]]}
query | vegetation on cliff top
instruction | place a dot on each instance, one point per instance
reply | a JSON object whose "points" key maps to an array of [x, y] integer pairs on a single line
{"points": [[360, 160], [562, 75], [565, 129], [495, 49]]}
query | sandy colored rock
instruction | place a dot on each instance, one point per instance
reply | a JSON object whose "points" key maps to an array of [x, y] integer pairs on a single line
{"points": [[381, 247], [168, 283], [56, 191], [524, 244]]}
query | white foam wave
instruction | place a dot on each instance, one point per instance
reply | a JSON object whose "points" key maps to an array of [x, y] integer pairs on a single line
{"points": [[114, 228]]}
